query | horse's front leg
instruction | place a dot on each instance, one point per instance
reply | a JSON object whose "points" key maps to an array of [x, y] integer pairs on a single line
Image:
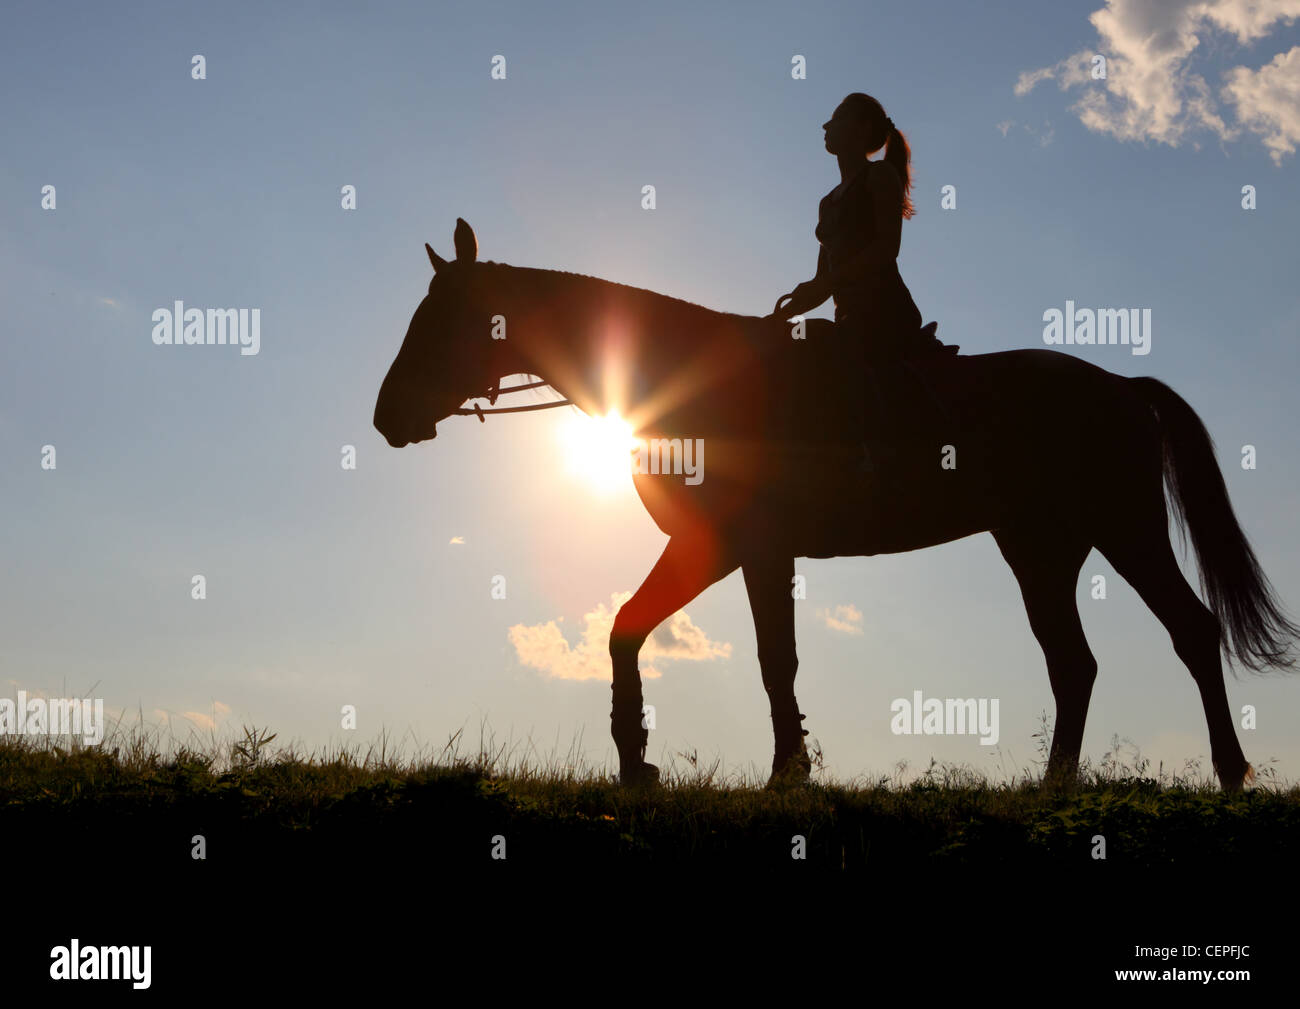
{"points": [[627, 722], [768, 581], [688, 566]]}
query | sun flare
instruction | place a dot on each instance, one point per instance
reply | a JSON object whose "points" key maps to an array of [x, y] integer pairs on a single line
{"points": [[598, 449]]}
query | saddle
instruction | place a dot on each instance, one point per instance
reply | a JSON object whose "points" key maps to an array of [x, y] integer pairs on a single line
{"points": [[816, 399], [929, 343]]}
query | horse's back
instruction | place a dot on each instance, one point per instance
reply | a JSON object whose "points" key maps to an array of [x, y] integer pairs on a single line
{"points": [[815, 383], [783, 425]]}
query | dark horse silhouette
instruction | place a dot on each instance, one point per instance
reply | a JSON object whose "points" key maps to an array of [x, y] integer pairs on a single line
{"points": [[1052, 455]]}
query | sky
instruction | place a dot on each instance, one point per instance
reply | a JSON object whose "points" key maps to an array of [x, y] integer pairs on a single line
{"points": [[372, 586]]}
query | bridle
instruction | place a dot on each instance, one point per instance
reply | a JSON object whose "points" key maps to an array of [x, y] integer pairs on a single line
{"points": [[494, 391]]}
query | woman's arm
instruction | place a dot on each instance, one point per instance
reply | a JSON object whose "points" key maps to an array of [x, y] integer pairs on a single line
{"points": [[886, 206], [810, 294], [819, 288]]}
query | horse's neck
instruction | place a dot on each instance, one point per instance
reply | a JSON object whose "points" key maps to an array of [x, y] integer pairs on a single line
{"points": [[598, 343]]}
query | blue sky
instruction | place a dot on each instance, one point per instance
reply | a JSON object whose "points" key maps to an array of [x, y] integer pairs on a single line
{"points": [[329, 587]]}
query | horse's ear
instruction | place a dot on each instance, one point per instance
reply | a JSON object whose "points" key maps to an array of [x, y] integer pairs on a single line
{"points": [[466, 243], [437, 261]]}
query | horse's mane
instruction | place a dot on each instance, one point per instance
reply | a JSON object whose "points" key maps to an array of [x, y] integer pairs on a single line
{"points": [[542, 275]]}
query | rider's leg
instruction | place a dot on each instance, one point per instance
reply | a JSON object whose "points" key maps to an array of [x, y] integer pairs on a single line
{"points": [[882, 374]]}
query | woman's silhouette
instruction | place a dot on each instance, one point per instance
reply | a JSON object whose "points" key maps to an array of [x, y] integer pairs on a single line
{"points": [[859, 227]]}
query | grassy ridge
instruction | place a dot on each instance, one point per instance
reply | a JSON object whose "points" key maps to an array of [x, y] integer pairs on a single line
{"points": [[134, 801]]}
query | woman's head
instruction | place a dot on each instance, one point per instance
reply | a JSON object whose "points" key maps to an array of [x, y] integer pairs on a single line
{"points": [[859, 127]]}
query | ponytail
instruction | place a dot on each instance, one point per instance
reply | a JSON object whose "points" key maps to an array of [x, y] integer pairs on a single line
{"points": [[883, 133], [898, 154]]}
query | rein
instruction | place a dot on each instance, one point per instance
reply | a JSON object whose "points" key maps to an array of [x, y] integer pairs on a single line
{"points": [[491, 397]]}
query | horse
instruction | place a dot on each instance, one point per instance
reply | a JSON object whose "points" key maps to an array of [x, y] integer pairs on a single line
{"points": [[1052, 455]]}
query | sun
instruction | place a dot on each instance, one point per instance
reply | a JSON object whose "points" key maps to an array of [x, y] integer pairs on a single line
{"points": [[598, 449]]}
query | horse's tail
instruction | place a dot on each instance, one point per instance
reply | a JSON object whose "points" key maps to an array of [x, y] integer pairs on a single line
{"points": [[1253, 626]]}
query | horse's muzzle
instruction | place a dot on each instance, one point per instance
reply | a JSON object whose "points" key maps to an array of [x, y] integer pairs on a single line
{"points": [[398, 441]]}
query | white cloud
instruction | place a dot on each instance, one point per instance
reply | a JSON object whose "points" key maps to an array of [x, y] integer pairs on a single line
{"points": [[1267, 101], [846, 618], [1067, 73], [219, 711], [1152, 90], [456, 541], [544, 647]]}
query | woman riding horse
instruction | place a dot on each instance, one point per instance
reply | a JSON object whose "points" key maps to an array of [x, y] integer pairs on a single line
{"points": [[859, 227]]}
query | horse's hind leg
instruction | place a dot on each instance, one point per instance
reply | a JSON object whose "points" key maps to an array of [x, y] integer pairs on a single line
{"points": [[1144, 558], [688, 565], [1046, 564], [768, 581]]}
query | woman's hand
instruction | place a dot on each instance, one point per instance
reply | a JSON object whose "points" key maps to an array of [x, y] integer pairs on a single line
{"points": [[777, 313], [804, 298]]}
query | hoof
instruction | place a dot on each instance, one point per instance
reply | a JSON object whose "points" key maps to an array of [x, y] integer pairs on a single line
{"points": [[639, 776], [1246, 781], [1060, 778], [796, 772]]}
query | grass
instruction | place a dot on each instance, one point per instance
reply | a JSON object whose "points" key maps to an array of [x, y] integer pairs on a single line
{"points": [[143, 797]]}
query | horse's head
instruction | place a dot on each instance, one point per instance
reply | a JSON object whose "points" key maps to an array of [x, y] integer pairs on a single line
{"points": [[446, 357]]}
